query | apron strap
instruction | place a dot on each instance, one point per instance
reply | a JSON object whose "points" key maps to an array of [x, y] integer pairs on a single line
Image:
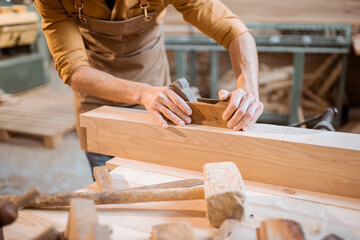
{"points": [[79, 5]]}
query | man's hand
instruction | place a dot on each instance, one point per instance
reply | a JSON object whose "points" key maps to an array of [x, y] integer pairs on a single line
{"points": [[162, 100], [243, 109]]}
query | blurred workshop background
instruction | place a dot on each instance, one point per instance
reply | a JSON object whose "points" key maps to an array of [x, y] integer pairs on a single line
{"points": [[309, 53]]}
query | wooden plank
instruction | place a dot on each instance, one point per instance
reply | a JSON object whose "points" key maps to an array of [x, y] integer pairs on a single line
{"points": [[135, 221], [326, 162], [132, 169]]}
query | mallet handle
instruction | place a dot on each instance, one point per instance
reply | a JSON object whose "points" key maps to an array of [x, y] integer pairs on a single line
{"points": [[122, 196]]}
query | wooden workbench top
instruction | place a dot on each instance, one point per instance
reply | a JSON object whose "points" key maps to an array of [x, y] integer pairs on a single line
{"points": [[319, 214]]}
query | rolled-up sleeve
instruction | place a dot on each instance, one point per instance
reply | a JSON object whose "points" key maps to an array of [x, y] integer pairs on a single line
{"points": [[211, 17], [63, 37]]}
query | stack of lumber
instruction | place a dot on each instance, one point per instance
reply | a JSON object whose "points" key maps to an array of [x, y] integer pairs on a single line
{"points": [[275, 88], [46, 117], [319, 214], [320, 88]]}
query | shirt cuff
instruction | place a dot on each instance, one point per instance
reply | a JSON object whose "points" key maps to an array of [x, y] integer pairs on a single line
{"points": [[231, 29], [67, 64]]}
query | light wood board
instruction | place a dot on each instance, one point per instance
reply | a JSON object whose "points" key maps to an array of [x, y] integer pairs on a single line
{"points": [[327, 162], [47, 117], [134, 221]]}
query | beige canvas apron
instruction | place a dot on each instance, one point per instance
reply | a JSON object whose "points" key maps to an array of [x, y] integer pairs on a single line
{"points": [[132, 49]]}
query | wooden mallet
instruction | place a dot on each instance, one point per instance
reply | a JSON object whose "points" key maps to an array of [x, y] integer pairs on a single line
{"points": [[223, 191]]}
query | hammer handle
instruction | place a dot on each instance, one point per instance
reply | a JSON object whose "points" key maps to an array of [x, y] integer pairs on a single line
{"points": [[122, 196]]}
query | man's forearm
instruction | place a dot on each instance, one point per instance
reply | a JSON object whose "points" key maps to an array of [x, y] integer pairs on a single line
{"points": [[244, 61], [103, 85]]}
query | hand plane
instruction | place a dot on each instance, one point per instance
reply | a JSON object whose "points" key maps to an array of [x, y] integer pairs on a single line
{"points": [[205, 111]]}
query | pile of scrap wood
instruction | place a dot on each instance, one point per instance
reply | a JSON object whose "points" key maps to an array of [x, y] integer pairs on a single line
{"points": [[275, 88], [318, 88]]}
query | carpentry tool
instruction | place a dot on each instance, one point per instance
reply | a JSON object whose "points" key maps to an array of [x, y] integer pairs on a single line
{"points": [[227, 231], [223, 190], [204, 111], [9, 210], [83, 222], [174, 231], [7, 215], [184, 183], [280, 229], [326, 120], [103, 178]]}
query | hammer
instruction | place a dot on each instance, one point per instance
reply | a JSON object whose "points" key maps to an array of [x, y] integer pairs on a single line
{"points": [[326, 120], [223, 191]]}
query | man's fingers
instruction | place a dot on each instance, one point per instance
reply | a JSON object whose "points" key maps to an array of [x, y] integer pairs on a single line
{"points": [[178, 101], [170, 115], [240, 112], [234, 102], [224, 95], [169, 104], [258, 112], [159, 119], [248, 116]]}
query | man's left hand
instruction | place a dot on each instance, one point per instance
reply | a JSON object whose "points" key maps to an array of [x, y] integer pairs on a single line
{"points": [[243, 109]]}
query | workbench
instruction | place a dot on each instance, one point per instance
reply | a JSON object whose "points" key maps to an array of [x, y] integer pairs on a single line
{"points": [[319, 214]]}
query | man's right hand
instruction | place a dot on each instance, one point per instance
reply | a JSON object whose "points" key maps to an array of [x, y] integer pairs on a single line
{"points": [[163, 100]]}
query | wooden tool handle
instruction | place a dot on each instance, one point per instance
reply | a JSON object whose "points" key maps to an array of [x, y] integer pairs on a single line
{"points": [[123, 196]]}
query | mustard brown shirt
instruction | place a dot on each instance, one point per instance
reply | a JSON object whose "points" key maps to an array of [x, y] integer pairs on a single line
{"points": [[66, 45]]}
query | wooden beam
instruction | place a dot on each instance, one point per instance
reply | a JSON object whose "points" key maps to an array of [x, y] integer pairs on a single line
{"points": [[326, 162]]}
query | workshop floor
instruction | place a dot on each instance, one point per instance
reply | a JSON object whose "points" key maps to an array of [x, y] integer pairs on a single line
{"points": [[25, 162]]}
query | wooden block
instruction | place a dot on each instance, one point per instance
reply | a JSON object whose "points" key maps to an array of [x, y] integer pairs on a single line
{"points": [[227, 231], [174, 231], [224, 192], [103, 178], [82, 220], [207, 114], [4, 135], [53, 141], [280, 229], [326, 162]]}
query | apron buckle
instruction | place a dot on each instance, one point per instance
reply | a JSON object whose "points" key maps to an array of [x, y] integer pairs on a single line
{"points": [[145, 7], [79, 8]]}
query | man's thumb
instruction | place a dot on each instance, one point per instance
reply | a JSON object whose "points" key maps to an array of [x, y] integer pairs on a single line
{"points": [[223, 95]]}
